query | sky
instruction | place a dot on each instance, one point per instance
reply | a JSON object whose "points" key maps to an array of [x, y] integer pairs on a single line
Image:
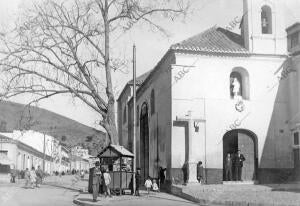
{"points": [[151, 46]]}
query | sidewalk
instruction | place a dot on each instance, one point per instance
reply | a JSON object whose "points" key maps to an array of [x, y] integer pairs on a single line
{"points": [[72, 182], [85, 199], [240, 195]]}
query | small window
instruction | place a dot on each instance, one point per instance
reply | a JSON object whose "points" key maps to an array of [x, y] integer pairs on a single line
{"points": [[296, 138], [152, 102], [294, 39], [266, 20], [124, 115]]}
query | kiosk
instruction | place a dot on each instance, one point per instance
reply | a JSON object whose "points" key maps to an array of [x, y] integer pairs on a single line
{"points": [[119, 163]]}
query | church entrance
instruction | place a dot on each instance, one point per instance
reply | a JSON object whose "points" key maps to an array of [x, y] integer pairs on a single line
{"points": [[246, 142], [144, 142]]}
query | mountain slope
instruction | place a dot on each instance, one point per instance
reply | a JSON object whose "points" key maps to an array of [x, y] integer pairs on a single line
{"points": [[15, 116]]}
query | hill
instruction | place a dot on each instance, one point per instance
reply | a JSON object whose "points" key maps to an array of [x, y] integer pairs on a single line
{"points": [[15, 116]]}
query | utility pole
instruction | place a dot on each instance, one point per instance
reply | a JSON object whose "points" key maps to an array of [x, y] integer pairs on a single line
{"points": [[44, 152], [134, 118]]}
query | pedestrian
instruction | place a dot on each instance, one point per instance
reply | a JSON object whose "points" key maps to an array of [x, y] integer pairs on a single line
{"points": [[185, 173], [13, 174], [27, 178], [238, 165], [32, 177], [155, 187], [148, 185], [39, 176], [162, 176], [107, 181], [200, 172], [96, 181], [228, 167], [82, 174], [137, 181]]}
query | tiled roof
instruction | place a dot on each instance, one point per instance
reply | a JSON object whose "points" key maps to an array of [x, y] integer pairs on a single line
{"points": [[140, 79], [113, 150], [214, 40]]}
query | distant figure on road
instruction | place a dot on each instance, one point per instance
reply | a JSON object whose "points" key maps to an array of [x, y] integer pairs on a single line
{"points": [[39, 176], [228, 168], [200, 172], [27, 178], [162, 176], [238, 165], [13, 174], [96, 181], [32, 177], [82, 174]]}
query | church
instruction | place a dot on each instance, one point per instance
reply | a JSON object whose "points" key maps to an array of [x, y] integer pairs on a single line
{"points": [[219, 92]]}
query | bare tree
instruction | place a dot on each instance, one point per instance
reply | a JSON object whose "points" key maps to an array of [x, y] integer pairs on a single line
{"points": [[65, 48]]}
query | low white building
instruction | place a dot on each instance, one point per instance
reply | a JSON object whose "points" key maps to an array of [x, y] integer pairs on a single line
{"points": [[15, 154], [56, 155]]}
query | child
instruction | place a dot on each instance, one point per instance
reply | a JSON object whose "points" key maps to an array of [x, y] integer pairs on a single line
{"points": [[155, 186], [107, 180], [148, 184]]}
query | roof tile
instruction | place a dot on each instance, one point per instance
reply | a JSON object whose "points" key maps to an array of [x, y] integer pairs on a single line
{"points": [[214, 40]]}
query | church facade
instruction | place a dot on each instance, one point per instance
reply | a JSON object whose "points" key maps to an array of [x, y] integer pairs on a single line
{"points": [[219, 92]]}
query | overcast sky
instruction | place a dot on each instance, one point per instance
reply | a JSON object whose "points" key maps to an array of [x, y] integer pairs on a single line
{"points": [[150, 46]]}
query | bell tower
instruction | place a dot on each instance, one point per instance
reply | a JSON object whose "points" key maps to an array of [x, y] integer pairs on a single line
{"points": [[263, 26]]}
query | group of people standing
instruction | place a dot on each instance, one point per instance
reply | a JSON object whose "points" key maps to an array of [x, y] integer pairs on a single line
{"points": [[101, 179], [233, 166], [150, 184], [33, 178]]}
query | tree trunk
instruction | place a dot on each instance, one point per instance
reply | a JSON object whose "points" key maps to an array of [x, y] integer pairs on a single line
{"points": [[110, 118]]}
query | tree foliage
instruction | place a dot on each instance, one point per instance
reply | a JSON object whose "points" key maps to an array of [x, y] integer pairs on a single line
{"points": [[64, 47]]}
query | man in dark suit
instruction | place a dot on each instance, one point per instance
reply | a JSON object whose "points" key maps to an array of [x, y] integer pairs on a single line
{"points": [[238, 165], [228, 168], [137, 181], [96, 181]]}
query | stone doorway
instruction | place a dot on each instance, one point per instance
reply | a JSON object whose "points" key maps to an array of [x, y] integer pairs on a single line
{"points": [[144, 142], [246, 141]]}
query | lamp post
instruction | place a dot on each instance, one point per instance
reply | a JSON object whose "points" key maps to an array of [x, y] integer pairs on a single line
{"points": [[134, 119]]}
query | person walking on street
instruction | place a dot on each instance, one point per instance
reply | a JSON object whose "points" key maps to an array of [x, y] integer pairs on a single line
{"points": [[96, 181], [200, 172], [32, 177], [238, 164], [39, 176], [228, 168], [13, 174], [107, 181], [27, 178], [148, 185]]}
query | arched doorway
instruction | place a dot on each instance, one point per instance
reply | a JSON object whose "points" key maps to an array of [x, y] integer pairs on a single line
{"points": [[144, 141], [246, 142]]}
